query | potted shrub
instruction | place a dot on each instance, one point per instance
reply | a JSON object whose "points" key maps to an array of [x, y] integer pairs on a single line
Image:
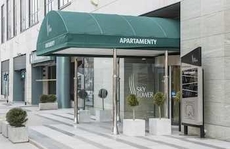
{"points": [[178, 97], [133, 127], [103, 115], [48, 102], [159, 126], [17, 131]]}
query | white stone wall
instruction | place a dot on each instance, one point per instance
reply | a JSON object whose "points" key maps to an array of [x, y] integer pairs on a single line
{"points": [[206, 23]]}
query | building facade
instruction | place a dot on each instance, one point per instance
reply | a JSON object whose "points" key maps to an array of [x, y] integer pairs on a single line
{"points": [[204, 23]]}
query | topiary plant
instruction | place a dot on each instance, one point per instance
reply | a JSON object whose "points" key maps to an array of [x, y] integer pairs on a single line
{"points": [[44, 98], [16, 117], [159, 99], [52, 98], [178, 97], [133, 102]]}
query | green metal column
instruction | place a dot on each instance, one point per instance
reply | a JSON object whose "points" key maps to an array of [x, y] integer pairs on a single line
{"points": [[63, 82]]}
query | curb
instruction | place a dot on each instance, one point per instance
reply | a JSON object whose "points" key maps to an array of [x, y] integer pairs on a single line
{"points": [[35, 143]]}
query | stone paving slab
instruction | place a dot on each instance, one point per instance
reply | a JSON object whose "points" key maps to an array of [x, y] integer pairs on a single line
{"points": [[54, 129], [6, 144], [98, 135]]}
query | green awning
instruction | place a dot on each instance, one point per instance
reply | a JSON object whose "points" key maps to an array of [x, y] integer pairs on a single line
{"points": [[78, 32]]}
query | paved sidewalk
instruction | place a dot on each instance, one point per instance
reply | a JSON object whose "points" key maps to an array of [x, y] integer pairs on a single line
{"points": [[94, 135], [6, 144], [54, 129]]}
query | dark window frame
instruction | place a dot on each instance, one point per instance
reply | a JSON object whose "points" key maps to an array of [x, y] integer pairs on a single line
{"points": [[65, 4], [14, 18], [2, 24]]}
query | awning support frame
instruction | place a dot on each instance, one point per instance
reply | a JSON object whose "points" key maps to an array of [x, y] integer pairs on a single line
{"points": [[75, 93], [115, 128], [166, 87]]}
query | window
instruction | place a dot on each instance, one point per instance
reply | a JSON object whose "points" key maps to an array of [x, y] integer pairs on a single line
{"points": [[14, 17], [23, 15], [33, 7], [49, 5], [8, 19], [52, 84], [62, 3], [2, 24]]}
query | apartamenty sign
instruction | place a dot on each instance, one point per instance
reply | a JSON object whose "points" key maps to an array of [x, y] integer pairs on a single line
{"points": [[138, 41]]}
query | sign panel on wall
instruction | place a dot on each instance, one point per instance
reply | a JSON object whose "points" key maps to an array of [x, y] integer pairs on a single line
{"points": [[192, 89]]}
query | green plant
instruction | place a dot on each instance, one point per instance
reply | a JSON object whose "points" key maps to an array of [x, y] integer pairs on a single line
{"points": [[52, 98], [178, 97], [133, 102], [159, 99], [16, 117], [48, 98], [44, 98]]}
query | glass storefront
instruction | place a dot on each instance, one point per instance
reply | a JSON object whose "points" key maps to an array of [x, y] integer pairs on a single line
{"points": [[52, 84], [139, 80], [139, 76], [86, 80]]}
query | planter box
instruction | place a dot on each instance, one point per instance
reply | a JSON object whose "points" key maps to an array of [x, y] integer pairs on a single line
{"points": [[48, 106], [5, 128], [1, 125], [18, 134], [84, 116], [103, 115], [159, 126], [134, 127]]}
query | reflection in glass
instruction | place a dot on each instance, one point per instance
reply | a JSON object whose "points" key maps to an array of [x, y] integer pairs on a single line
{"points": [[189, 83]]}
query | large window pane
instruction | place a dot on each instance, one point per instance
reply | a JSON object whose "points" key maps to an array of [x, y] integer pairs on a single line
{"points": [[33, 7], [23, 15], [9, 27], [139, 80], [52, 84]]}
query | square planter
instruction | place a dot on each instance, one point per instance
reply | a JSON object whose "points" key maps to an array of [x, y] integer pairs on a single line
{"points": [[18, 134], [48, 106], [1, 125], [84, 116], [159, 126], [134, 127], [5, 128], [103, 115]]}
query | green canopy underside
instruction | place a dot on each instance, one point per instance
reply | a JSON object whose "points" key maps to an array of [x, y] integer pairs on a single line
{"points": [[62, 30]]}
